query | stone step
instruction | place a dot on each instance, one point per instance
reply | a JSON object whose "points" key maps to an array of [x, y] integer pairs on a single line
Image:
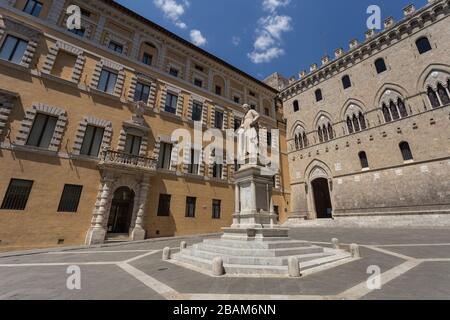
{"points": [[286, 243], [261, 261], [252, 252]]}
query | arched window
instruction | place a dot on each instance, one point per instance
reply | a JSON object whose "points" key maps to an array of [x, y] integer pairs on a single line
{"points": [[300, 142], [349, 125], [325, 133], [402, 108], [319, 96], [296, 142], [434, 100], [406, 151], [394, 111], [296, 106], [305, 140], [346, 82], [386, 114], [423, 45], [363, 160], [330, 131], [320, 134], [443, 94], [356, 123], [362, 121], [380, 65]]}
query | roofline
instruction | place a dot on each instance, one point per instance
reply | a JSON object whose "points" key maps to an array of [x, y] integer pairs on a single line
{"points": [[187, 43]]}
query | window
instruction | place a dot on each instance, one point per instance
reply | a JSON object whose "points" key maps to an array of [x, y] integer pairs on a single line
{"points": [[237, 166], [79, 32], [17, 194], [443, 95], [116, 47], [276, 210], [386, 114], [70, 198], [218, 120], [363, 160], [434, 100], [133, 145], [269, 138], [85, 12], [13, 49], [199, 68], [318, 94], [218, 90], [296, 106], [346, 82], [236, 99], [171, 103], [423, 45], [164, 205], [92, 141], [33, 7], [165, 155], [237, 123], [173, 72], [190, 207], [142, 92], [194, 165], [41, 133], [197, 111], [325, 133], [217, 171], [107, 82], [253, 106], [147, 59], [216, 209], [251, 93], [198, 82], [406, 151], [267, 112], [380, 65]]}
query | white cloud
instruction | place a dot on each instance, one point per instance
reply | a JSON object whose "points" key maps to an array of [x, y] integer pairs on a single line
{"points": [[272, 5], [173, 11], [276, 25], [236, 41], [197, 38], [265, 56]]}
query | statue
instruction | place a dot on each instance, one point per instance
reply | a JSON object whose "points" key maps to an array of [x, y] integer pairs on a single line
{"points": [[248, 139]]}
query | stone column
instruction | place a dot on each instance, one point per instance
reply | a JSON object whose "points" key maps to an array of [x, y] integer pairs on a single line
{"points": [[253, 196], [97, 231], [138, 232]]}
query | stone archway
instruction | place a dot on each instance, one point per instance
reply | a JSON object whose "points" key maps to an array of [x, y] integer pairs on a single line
{"points": [[322, 198], [121, 212], [319, 196]]}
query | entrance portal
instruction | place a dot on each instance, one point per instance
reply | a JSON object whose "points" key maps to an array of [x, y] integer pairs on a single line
{"points": [[121, 211], [322, 198]]}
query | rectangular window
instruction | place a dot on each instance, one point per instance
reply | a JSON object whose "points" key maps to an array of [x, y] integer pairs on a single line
{"points": [[41, 133], [237, 123], [216, 209], [33, 7], [133, 144], [107, 82], [147, 59], [142, 92], [236, 99], [276, 210], [173, 72], [198, 83], [269, 138], [190, 207], [114, 46], [218, 120], [217, 170], [266, 112], [252, 93], [13, 49], [237, 166], [64, 65], [165, 155], [164, 205], [197, 111], [219, 90], [199, 68], [92, 141], [194, 165], [171, 103], [17, 194], [79, 32], [70, 198]]}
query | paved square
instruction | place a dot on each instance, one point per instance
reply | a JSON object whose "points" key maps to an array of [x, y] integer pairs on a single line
{"points": [[414, 264]]}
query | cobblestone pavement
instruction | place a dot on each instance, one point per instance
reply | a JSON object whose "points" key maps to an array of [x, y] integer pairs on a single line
{"points": [[414, 264]]}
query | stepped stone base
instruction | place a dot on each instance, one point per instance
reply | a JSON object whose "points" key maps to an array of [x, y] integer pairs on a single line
{"points": [[259, 251]]}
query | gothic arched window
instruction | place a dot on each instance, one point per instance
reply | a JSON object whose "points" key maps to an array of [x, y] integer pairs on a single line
{"points": [[356, 124], [305, 140], [406, 151], [443, 94], [349, 125], [423, 45], [402, 108], [325, 133], [296, 142], [386, 114], [394, 111], [434, 100], [320, 134], [362, 121], [363, 160], [300, 142], [330, 131], [380, 65]]}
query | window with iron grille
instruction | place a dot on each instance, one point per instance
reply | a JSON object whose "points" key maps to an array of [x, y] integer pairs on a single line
{"points": [[17, 194], [70, 198], [190, 207], [216, 204], [164, 205]]}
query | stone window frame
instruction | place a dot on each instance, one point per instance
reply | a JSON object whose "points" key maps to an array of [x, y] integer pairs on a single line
{"points": [[175, 150], [388, 96], [225, 112], [435, 78], [212, 158], [6, 106], [8, 26], [166, 88], [175, 65], [354, 110], [69, 48], [203, 102], [187, 158], [152, 83], [85, 22], [136, 130], [109, 36], [108, 64], [28, 121], [81, 131], [200, 76]]}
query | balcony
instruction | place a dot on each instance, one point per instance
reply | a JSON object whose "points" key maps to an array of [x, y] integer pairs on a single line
{"points": [[126, 162]]}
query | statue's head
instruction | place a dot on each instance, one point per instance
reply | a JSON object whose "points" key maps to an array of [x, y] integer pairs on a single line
{"points": [[246, 107]]}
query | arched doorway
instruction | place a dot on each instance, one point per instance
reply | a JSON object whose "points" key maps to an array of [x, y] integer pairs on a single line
{"points": [[322, 198], [121, 211]]}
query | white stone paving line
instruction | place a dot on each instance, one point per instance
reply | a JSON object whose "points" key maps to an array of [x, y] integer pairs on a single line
{"points": [[58, 264], [395, 254], [94, 252], [415, 245]]}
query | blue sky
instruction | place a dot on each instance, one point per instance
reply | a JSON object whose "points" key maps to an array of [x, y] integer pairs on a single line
{"points": [[264, 36]]}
